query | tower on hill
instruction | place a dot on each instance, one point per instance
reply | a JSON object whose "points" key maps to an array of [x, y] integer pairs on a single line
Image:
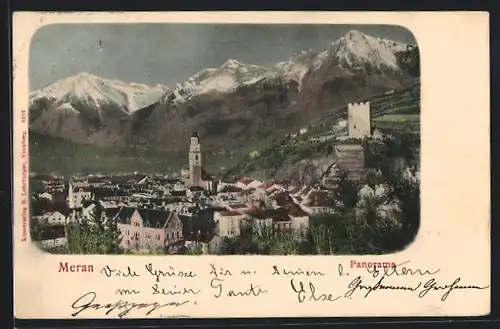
{"points": [[359, 120]]}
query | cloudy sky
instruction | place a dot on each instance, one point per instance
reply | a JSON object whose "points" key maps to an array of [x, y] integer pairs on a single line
{"points": [[170, 53]]}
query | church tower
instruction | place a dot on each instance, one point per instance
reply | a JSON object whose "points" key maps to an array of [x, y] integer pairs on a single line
{"points": [[195, 161]]}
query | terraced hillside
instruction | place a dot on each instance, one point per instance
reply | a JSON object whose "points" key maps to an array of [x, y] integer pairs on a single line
{"points": [[311, 152], [399, 111], [394, 111]]}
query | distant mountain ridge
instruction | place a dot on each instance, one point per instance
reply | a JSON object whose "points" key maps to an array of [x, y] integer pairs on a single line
{"points": [[223, 79], [234, 106], [94, 91]]}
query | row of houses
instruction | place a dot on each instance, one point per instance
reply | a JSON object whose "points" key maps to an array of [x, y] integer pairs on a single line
{"points": [[140, 229], [145, 223]]}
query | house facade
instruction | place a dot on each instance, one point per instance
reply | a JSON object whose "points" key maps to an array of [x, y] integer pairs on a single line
{"points": [[78, 192], [318, 202], [53, 218], [148, 229], [285, 220], [229, 223]]}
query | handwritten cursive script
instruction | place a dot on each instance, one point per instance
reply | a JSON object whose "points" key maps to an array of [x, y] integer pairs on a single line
{"points": [[109, 272], [278, 271], [310, 294], [448, 288], [175, 291], [422, 288], [217, 284], [123, 307], [357, 284], [304, 286], [127, 292], [171, 272], [399, 270]]}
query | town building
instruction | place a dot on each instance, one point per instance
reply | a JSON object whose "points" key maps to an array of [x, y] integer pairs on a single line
{"points": [[77, 193], [287, 219], [229, 222], [148, 229], [317, 202], [298, 217], [53, 218]]}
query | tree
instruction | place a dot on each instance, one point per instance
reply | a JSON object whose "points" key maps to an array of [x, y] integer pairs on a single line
{"points": [[246, 242], [370, 233], [36, 186], [346, 236], [35, 229], [309, 174], [346, 191], [385, 154], [95, 236], [322, 239], [228, 246], [195, 250], [407, 191], [373, 178], [108, 229]]}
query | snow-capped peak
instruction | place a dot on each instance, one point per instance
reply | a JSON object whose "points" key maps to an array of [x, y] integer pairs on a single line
{"points": [[354, 34], [357, 39], [227, 77], [95, 91], [231, 63], [296, 66], [356, 49]]}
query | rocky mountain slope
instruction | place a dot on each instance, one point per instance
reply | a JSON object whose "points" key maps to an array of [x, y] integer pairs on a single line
{"points": [[78, 107], [312, 153], [234, 106]]}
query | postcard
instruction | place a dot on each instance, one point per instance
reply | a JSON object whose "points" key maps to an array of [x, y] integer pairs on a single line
{"points": [[250, 164]]}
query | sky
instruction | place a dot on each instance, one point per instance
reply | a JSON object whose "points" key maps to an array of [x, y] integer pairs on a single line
{"points": [[171, 53]]}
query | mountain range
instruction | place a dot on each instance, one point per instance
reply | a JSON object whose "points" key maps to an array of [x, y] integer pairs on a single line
{"points": [[234, 106]]}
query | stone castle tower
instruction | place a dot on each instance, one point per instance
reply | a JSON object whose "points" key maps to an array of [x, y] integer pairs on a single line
{"points": [[359, 120], [195, 166]]}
